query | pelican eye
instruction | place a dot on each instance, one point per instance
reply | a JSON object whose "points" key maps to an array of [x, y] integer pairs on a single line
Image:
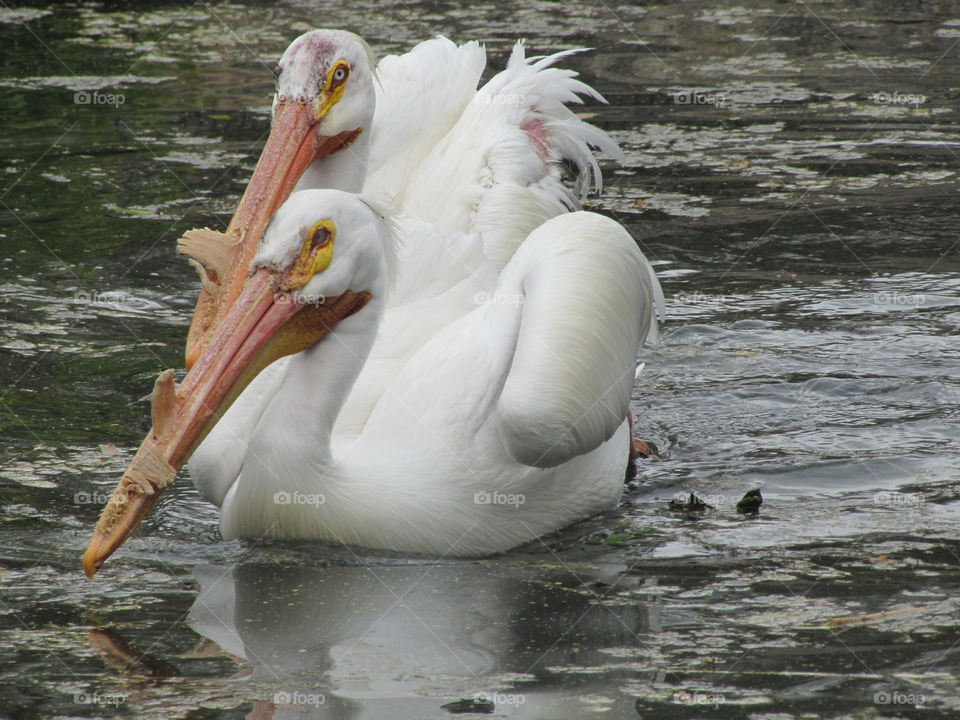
{"points": [[320, 236], [315, 254], [339, 75]]}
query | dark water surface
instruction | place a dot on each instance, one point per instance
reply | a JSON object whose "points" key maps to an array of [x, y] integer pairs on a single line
{"points": [[793, 173]]}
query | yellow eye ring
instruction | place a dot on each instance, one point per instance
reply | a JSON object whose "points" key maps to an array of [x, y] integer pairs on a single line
{"points": [[315, 255], [333, 86]]}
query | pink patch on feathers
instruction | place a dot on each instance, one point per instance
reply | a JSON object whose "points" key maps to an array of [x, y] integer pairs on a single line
{"points": [[538, 136]]}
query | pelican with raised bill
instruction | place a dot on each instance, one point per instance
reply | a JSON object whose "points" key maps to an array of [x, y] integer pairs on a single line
{"points": [[508, 424]]}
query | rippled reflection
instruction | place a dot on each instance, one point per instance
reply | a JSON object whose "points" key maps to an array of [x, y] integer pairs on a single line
{"points": [[363, 642]]}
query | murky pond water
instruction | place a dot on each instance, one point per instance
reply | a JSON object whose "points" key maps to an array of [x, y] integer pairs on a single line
{"points": [[792, 171]]}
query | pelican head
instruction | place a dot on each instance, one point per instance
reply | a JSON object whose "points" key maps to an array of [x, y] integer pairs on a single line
{"points": [[325, 78], [324, 101], [309, 231], [320, 261], [323, 104]]}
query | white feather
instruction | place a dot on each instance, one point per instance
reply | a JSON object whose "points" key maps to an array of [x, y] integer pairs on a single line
{"points": [[491, 175], [420, 95]]}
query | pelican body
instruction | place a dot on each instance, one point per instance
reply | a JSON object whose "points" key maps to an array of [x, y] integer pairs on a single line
{"points": [[509, 423]]}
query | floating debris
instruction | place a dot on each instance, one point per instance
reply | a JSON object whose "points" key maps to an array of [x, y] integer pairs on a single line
{"points": [[691, 504], [469, 705], [750, 503], [866, 617]]}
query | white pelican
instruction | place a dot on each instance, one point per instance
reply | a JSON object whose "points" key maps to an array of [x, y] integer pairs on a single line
{"points": [[509, 423]]}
